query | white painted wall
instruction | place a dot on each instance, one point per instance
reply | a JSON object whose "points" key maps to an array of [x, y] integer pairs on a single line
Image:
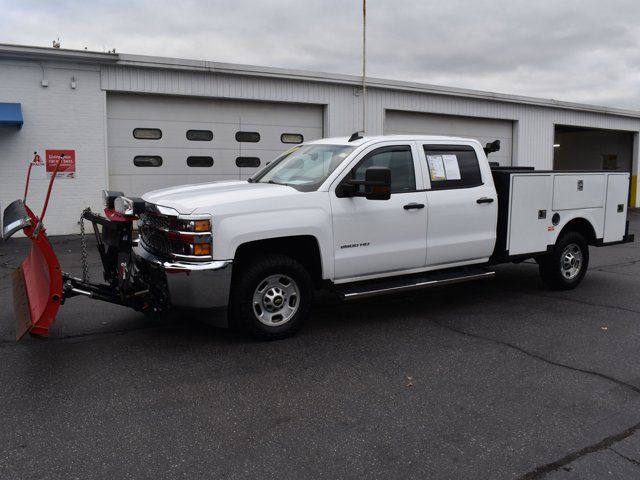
{"points": [[55, 117]]}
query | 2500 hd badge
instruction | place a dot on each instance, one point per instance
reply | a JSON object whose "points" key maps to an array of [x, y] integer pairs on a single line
{"points": [[354, 245]]}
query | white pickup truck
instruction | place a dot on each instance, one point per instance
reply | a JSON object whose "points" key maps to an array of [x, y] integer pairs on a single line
{"points": [[360, 216]]}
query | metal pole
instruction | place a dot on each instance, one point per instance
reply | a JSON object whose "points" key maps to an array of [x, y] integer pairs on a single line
{"points": [[364, 66]]}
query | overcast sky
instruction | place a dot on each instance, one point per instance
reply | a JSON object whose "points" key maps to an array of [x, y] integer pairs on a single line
{"points": [[574, 50]]}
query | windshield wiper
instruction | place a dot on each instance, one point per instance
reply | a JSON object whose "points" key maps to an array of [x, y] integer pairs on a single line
{"points": [[273, 182]]}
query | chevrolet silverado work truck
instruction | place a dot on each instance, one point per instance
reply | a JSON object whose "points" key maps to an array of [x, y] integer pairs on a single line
{"points": [[360, 216]]}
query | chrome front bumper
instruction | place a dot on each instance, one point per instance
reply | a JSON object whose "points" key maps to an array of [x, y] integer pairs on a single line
{"points": [[193, 285]]}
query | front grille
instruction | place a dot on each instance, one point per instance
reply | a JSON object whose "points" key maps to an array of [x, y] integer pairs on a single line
{"points": [[155, 221], [156, 240], [153, 232]]}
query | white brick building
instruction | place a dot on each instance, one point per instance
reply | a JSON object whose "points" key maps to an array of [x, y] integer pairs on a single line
{"points": [[209, 121]]}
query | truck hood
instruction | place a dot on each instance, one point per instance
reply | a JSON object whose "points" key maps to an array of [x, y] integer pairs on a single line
{"points": [[185, 199]]}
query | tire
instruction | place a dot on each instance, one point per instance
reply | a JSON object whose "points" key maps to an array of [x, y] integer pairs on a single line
{"points": [[271, 297], [567, 265]]}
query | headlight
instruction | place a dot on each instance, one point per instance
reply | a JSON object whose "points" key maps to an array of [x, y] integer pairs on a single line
{"points": [[129, 205], [200, 226], [109, 196]]}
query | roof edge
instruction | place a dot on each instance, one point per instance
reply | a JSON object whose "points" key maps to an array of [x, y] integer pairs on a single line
{"points": [[147, 61], [25, 52]]}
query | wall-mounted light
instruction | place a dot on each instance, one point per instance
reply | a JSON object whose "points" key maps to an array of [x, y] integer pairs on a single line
{"points": [[556, 145], [73, 83]]}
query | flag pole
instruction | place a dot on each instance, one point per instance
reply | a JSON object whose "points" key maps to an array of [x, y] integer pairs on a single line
{"points": [[364, 66]]}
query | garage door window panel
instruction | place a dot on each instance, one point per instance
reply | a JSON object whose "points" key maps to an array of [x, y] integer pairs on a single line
{"points": [[147, 133], [248, 162], [251, 137], [291, 138], [398, 159], [147, 161], [452, 167], [198, 161], [200, 135]]}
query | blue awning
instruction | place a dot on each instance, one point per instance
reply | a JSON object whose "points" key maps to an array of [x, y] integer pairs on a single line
{"points": [[11, 114]]}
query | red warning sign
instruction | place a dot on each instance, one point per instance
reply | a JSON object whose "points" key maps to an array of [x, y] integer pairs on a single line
{"points": [[67, 167]]}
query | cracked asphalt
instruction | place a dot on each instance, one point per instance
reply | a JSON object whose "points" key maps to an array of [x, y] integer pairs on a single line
{"points": [[502, 379]]}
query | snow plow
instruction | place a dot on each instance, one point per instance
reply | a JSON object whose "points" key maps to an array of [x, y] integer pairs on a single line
{"points": [[40, 286]]}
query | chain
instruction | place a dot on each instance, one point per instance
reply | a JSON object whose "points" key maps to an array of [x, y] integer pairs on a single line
{"points": [[83, 244]]}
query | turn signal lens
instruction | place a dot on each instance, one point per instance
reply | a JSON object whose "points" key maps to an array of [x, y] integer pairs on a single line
{"points": [[202, 249], [201, 225]]}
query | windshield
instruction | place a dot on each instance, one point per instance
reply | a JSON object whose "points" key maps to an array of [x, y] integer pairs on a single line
{"points": [[304, 167]]}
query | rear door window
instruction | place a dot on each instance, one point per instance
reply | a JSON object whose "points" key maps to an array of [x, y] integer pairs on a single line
{"points": [[452, 166]]}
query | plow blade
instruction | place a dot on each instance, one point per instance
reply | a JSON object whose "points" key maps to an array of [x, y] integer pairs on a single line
{"points": [[20, 304], [37, 282]]}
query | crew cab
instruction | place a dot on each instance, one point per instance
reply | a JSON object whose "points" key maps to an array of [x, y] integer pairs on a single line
{"points": [[371, 215], [360, 216]]}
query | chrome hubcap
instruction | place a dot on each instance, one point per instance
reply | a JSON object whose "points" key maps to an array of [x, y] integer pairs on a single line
{"points": [[571, 261], [276, 300]]}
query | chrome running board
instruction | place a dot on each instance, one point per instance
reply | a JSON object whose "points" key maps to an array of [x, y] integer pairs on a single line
{"points": [[370, 288]]}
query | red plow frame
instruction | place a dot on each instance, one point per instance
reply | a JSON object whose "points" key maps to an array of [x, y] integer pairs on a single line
{"points": [[37, 282]]}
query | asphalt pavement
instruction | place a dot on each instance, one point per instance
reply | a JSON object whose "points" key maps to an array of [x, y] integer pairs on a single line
{"points": [[502, 379]]}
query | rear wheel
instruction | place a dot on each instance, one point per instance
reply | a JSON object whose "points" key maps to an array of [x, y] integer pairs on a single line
{"points": [[271, 297], [567, 265]]}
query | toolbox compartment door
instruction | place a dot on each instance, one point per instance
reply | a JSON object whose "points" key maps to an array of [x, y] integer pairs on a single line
{"points": [[530, 213], [579, 191], [615, 219]]}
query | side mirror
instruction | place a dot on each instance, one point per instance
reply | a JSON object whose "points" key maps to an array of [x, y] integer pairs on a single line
{"points": [[377, 183], [492, 147]]}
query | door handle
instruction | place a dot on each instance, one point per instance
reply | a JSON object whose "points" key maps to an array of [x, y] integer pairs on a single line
{"points": [[484, 200], [413, 206]]}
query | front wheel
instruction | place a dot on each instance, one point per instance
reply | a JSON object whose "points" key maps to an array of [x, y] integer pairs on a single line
{"points": [[271, 297], [567, 264]]}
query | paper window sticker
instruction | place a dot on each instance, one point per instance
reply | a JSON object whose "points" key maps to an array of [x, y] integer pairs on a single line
{"points": [[451, 167], [436, 168]]}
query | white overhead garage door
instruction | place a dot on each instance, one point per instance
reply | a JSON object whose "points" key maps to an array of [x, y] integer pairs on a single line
{"points": [[158, 141], [482, 129]]}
